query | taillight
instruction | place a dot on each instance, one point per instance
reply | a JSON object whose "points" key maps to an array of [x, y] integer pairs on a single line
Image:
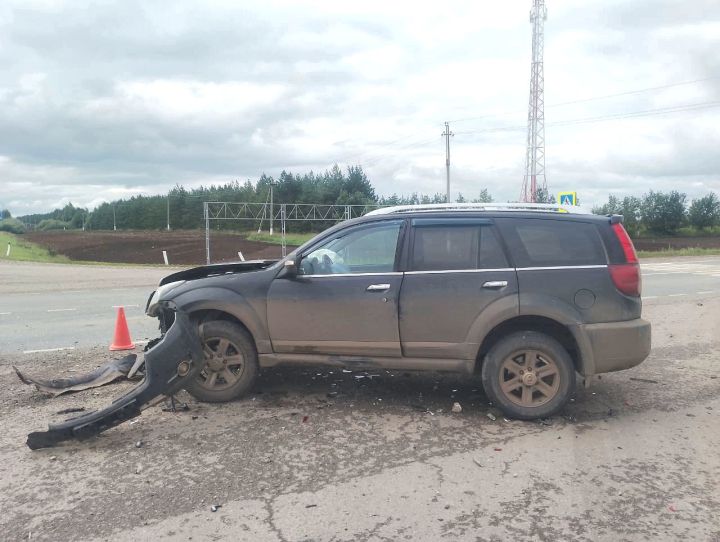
{"points": [[626, 276], [625, 242]]}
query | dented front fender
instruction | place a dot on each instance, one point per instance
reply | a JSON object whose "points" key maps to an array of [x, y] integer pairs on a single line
{"points": [[173, 361]]}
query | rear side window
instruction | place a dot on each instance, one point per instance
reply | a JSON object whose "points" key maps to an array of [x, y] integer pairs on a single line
{"points": [[545, 243], [452, 247]]}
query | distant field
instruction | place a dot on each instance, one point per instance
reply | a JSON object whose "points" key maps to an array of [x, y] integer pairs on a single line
{"points": [[295, 239], [678, 252], [23, 250], [188, 247], [654, 244], [145, 247]]}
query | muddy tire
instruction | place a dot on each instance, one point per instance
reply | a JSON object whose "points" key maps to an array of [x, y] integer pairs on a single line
{"points": [[231, 363], [528, 375]]}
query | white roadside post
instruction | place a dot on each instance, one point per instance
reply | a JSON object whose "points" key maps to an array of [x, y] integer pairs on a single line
{"points": [[7, 254], [165, 257], [240, 255]]}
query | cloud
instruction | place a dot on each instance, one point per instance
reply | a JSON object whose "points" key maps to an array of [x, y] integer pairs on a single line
{"points": [[113, 99]]}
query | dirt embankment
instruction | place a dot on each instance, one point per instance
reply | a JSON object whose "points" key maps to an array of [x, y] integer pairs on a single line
{"points": [[183, 247], [668, 243]]}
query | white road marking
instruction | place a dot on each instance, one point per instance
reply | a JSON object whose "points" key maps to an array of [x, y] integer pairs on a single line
{"points": [[144, 341], [125, 306], [49, 350], [60, 310], [675, 295], [707, 292], [649, 297], [4, 313]]}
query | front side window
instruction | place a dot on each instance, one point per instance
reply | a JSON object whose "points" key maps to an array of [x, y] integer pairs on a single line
{"points": [[454, 247], [368, 249]]}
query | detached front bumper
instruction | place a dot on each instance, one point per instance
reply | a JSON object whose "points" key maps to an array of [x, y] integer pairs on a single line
{"points": [[174, 360]]}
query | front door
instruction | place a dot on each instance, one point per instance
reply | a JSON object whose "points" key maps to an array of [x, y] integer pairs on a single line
{"points": [[344, 300]]}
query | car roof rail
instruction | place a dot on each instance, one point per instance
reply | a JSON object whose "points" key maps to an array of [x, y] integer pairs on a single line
{"points": [[525, 207]]}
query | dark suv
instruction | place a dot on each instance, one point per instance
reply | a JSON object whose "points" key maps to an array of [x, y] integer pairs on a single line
{"points": [[525, 297]]}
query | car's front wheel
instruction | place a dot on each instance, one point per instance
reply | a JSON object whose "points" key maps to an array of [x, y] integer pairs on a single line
{"points": [[231, 363], [528, 375]]}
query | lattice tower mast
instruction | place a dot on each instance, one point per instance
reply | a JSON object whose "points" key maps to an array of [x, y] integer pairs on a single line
{"points": [[535, 157]]}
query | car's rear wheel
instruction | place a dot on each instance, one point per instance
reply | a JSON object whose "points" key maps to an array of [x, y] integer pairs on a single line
{"points": [[231, 363], [528, 375]]}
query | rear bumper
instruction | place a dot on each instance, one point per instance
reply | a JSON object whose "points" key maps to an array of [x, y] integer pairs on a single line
{"points": [[618, 345]]}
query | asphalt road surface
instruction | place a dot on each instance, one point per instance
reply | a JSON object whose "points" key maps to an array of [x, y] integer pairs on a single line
{"points": [[634, 457]]}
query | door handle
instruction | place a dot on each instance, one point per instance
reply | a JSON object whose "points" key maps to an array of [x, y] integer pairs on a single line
{"points": [[495, 284], [377, 288]]}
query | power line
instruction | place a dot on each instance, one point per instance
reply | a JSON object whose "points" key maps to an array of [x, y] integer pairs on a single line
{"points": [[601, 118], [630, 92], [595, 98]]}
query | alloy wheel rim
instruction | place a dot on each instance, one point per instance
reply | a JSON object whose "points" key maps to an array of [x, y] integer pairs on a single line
{"points": [[529, 378], [225, 364]]}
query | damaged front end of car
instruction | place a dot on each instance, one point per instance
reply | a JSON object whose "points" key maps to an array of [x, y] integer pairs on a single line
{"points": [[170, 362]]}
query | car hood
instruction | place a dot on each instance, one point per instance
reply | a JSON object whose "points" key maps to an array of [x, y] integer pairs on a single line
{"points": [[216, 270]]}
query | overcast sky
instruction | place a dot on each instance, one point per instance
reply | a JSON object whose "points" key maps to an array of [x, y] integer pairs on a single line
{"points": [[100, 100]]}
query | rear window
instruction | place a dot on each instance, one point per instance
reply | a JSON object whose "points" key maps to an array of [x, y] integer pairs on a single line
{"points": [[453, 247], [545, 243]]}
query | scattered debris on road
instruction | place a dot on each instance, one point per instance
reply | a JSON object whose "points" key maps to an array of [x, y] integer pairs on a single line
{"points": [[71, 410], [215, 507], [110, 372], [456, 408], [169, 364], [646, 380]]}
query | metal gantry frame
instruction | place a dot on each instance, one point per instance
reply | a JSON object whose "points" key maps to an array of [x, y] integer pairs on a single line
{"points": [[284, 212]]}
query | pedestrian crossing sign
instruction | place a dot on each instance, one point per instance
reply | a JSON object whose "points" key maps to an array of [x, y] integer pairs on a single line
{"points": [[567, 198]]}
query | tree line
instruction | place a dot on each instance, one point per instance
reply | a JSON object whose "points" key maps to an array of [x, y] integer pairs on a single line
{"points": [[185, 206], [663, 213], [654, 213]]}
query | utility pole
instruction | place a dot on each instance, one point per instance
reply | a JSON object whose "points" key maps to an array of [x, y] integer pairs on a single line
{"points": [[535, 154], [447, 134], [271, 207], [168, 212]]}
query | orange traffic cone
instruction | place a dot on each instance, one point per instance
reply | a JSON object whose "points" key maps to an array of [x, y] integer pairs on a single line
{"points": [[122, 340]]}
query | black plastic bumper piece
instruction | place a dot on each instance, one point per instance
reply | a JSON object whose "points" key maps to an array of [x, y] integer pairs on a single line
{"points": [[163, 369]]}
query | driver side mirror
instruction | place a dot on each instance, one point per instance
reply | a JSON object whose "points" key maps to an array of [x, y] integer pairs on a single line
{"points": [[289, 271]]}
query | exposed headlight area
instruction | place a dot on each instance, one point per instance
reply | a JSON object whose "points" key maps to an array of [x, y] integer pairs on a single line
{"points": [[161, 294]]}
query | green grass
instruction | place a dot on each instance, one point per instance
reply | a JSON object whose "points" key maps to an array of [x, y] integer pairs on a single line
{"points": [[685, 231], [296, 239], [678, 252], [25, 251]]}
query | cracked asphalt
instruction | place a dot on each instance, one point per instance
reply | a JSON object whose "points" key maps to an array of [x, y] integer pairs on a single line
{"points": [[634, 457]]}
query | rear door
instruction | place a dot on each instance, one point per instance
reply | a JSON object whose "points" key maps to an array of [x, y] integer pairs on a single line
{"points": [[344, 300], [563, 270], [456, 268]]}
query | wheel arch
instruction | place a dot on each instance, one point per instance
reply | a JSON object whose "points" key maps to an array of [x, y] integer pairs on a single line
{"points": [[567, 335], [208, 315], [223, 304]]}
